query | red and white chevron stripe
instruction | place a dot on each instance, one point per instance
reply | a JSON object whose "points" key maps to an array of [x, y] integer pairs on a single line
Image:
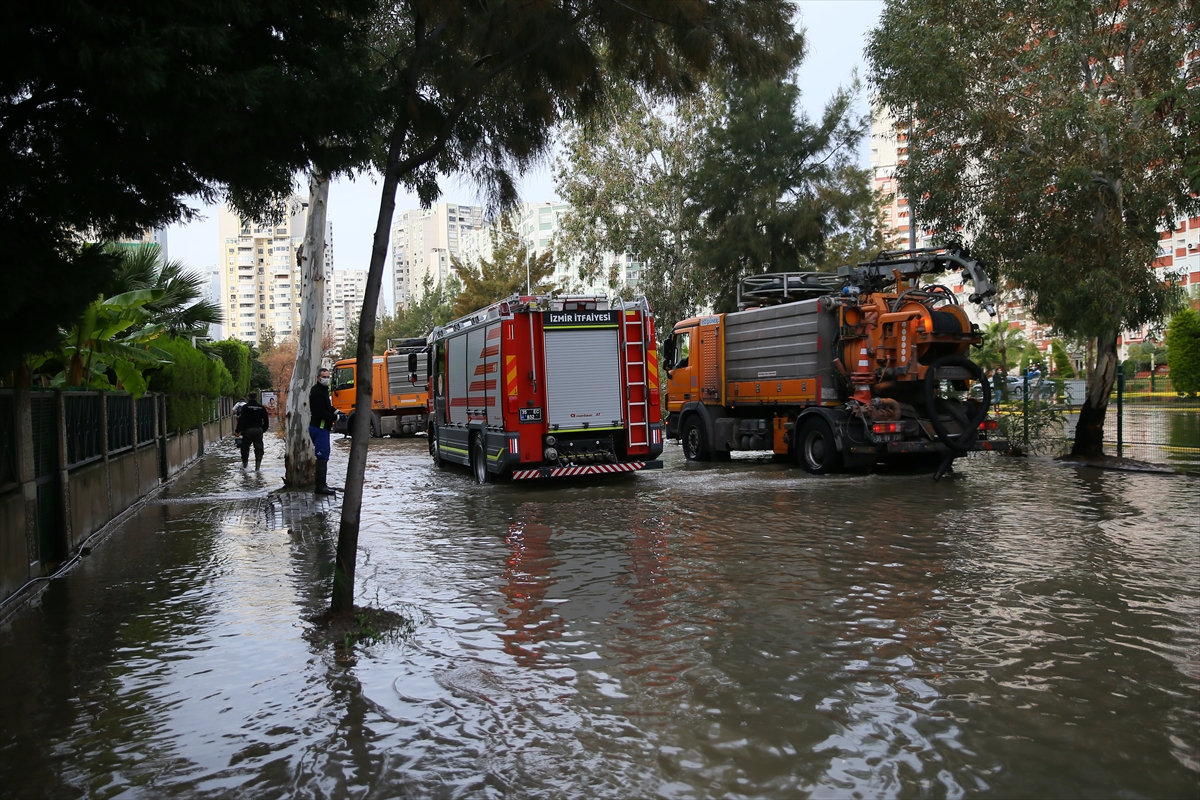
{"points": [[590, 469]]}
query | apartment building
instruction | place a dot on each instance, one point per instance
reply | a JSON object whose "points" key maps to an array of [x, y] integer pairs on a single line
{"points": [[889, 149], [344, 290], [423, 243], [260, 279], [216, 293]]}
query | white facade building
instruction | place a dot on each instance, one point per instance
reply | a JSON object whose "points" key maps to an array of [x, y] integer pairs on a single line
{"points": [[260, 280], [212, 276], [344, 290], [423, 243]]}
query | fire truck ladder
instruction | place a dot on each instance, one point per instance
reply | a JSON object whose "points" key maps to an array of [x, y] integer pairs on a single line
{"points": [[633, 344]]}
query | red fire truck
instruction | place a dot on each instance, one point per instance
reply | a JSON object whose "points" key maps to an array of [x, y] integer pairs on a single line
{"points": [[544, 387]]}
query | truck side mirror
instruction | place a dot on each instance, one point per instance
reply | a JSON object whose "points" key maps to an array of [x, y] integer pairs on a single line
{"points": [[412, 367], [668, 354]]}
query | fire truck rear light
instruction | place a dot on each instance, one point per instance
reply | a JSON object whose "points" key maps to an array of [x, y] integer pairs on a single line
{"points": [[512, 404], [888, 427], [987, 425]]}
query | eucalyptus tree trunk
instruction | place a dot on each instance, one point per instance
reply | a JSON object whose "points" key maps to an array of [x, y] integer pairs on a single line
{"points": [[300, 458], [1089, 432]]}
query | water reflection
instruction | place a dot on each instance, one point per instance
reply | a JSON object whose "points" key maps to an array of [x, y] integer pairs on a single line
{"points": [[529, 619]]}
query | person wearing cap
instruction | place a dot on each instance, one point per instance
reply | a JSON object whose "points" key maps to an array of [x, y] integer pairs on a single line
{"points": [[252, 420], [323, 417]]}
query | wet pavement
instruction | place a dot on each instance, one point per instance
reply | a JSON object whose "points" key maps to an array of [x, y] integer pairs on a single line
{"points": [[1021, 629]]}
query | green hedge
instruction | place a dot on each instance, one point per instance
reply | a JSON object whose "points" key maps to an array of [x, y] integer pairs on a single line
{"points": [[236, 357], [1183, 349], [192, 382]]}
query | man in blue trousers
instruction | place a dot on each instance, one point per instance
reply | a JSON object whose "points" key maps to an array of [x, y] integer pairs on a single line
{"points": [[323, 417]]}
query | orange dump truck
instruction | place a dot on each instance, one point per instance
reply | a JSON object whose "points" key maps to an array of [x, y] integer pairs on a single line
{"points": [[836, 371], [399, 399]]}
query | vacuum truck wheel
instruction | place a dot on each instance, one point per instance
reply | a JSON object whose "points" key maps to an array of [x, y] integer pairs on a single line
{"points": [[695, 446], [817, 451]]}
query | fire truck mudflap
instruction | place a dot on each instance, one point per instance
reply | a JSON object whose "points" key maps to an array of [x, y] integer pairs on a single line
{"points": [[546, 387]]}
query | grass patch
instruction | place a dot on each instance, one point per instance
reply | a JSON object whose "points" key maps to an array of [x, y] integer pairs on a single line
{"points": [[365, 626]]}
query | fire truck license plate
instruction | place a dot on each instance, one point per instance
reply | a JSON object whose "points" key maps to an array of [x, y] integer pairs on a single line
{"points": [[531, 415]]}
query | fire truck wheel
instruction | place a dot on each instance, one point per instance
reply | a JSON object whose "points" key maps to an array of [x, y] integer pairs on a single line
{"points": [[434, 451], [818, 452], [479, 461], [695, 446]]}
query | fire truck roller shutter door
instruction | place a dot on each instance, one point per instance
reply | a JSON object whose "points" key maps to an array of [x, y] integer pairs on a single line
{"points": [[492, 385], [476, 395], [583, 378], [456, 395]]}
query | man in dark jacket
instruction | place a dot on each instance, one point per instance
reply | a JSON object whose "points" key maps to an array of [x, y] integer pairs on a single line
{"points": [[323, 417], [252, 420]]}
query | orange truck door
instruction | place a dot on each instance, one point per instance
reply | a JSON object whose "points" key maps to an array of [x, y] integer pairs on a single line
{"points": [[681, 386]]}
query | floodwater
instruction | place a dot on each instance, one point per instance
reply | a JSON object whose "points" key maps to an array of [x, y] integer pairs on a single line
{"points": [[1021, 629]]}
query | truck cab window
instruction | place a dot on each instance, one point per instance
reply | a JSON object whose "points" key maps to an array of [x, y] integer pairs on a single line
{"points": [[682, 349], [344, 379]]}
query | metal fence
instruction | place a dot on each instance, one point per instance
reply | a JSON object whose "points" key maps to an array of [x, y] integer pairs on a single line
{"points": [[85, 436], [146, 407], [1155, 427], [120, 422]]}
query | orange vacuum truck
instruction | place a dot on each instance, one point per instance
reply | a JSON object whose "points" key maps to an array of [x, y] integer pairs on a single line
{"points": [[839, 371], [399, 399]]}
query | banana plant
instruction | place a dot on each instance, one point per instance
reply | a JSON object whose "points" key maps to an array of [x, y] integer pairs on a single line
{"points": [[113, 338]]}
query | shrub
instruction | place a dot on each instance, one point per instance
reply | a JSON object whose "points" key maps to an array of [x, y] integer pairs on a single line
{"points": [[1183, 350], [236, 357], [191, 383], [1062, 361]]}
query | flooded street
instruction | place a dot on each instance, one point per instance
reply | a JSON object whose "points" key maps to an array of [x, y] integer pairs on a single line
{"points": [[1020, 629]]}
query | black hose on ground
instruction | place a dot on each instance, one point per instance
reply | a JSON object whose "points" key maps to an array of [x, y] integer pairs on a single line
{"points": [[962, 444]]}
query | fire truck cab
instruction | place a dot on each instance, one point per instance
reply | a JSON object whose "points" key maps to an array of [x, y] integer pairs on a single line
{"points": [[545, 386]]}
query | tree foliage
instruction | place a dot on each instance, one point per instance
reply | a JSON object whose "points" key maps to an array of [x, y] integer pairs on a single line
{"points": [[626, 172], [1056, 138], [184, 308], [1183, 350], [114, 113], [771, 186], [512, 269]]}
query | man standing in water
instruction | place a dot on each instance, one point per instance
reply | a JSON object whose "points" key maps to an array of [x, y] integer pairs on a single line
{"points": [[252, 420], [323, 417]]}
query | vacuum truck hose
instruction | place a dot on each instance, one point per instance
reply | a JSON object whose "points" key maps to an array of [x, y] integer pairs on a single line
{"points": [[963, 443]]}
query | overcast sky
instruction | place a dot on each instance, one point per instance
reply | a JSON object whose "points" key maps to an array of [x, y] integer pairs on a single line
{"points": [[836, 31]]}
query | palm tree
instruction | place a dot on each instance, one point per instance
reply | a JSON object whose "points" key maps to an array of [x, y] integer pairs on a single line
{"points": [[184, 308]]}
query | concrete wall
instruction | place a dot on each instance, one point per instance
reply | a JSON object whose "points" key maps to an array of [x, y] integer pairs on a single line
{"points": [[14, 550], [88, 490]]}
